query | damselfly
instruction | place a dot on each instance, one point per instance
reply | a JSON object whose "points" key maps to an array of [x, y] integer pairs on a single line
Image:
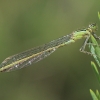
{"points": [[34, 55]]}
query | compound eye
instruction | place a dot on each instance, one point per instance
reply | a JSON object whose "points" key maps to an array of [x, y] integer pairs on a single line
{"points": [[92, 25]]}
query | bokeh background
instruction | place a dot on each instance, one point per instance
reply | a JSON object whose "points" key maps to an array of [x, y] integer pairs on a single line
{"points": [[65, 74]]}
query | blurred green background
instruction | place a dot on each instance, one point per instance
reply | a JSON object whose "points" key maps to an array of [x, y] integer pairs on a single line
{"points": [[65, 74]]}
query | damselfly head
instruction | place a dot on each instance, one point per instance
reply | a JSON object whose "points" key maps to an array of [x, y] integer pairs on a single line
{"points": [[93, 27]]}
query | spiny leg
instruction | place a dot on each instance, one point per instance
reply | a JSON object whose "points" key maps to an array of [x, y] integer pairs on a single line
{"points": [[82, 49], [96, 37], [89, 43]]}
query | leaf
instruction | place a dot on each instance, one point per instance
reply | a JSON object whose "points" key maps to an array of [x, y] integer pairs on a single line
{"points": [[95, 70], [93, 95], [98, 94], [99, 15], [95, 50]]}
